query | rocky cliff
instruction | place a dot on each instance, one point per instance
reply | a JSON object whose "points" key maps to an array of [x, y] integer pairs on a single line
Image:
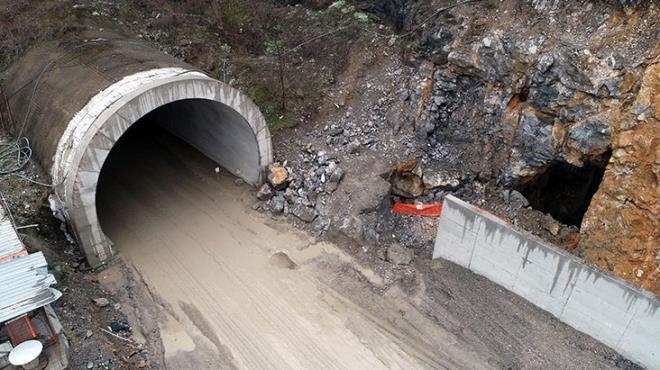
{"points": [[560, 103]]}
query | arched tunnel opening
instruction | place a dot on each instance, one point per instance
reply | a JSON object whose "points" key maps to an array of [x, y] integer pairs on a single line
{"points": [[165, 154], [564, 190], [125, 88]]}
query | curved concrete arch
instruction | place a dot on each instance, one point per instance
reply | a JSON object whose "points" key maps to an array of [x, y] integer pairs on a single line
{"points": [[239, 140], [78, 101]]}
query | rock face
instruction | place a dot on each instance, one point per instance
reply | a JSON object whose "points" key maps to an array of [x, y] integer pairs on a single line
{"points": [[553, 105], [621, 230], [515, 108]]}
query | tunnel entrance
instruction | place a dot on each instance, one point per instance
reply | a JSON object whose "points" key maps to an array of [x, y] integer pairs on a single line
{"points": [[565, 191], [73, 127], [161, 148], [224, 130]]}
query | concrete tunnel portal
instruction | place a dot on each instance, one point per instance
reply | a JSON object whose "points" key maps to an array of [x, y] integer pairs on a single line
{"points": [[79, 101]]}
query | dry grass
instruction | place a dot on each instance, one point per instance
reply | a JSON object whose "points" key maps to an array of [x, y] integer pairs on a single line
{"points": [[227, 39]]}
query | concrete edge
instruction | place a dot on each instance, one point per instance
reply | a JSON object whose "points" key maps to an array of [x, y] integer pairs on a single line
{"points": [[554, 248], [595, 302]]}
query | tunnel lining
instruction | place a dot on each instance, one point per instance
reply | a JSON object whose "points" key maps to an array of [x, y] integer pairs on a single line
{"points": [[95, 129]]}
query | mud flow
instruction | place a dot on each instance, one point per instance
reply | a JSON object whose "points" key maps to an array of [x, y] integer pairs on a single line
{"points": [[232, 288]]}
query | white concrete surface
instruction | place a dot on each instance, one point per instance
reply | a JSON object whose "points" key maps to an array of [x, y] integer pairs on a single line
{"points": [[592, 301], [215, 118]]}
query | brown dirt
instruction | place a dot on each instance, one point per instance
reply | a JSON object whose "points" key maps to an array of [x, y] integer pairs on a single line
{"points": [[206, 259]]}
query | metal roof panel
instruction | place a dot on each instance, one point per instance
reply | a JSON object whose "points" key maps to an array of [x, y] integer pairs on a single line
{"points": [[25, 286], [10, 244]]}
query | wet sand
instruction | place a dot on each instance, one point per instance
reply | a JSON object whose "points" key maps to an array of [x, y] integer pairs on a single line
{"points": [[236, 291]]}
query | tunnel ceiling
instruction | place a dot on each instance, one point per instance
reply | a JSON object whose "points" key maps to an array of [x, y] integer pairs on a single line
{"points": [[73, 100]]}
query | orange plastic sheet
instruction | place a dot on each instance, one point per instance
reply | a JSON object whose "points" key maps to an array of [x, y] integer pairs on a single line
{"points": [[430, 210]]}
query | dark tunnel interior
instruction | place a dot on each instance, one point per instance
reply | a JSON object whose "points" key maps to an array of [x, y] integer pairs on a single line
{"points": [[564, 190]]}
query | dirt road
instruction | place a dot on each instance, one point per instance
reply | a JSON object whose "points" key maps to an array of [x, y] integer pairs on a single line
{"points": [[233, 285], [236, 289]]}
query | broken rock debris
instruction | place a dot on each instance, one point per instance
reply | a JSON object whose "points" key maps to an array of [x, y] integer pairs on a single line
{"points": [[297, 192]]}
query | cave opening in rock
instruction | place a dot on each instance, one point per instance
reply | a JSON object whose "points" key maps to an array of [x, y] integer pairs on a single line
{"points": [[564, 190]]}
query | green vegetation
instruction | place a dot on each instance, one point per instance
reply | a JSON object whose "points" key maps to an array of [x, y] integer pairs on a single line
{"points": [[270, 108]]}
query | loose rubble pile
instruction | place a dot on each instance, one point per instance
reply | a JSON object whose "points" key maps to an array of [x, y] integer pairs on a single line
{"points": [[288, 192]]}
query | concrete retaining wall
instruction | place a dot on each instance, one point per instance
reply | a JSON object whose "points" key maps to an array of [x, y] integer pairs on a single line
{"points": [[592, 301]]}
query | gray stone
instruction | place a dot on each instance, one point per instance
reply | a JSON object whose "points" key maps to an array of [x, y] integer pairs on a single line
{"points": [[515, 197], [590, 137], [545, 62], [336, 175], [336, 131], [101, 302], [265, 192], [399, 255], [277, 204], [303, 212], [321, 158]]}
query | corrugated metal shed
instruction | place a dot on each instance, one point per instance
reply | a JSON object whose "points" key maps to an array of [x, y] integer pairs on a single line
{"points": [[25, 286], [10, 245]]}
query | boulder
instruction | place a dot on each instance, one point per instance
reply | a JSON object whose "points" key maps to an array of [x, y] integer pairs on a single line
{"points": [[515, 197], [278, 176], [265, 192], [336, 174], [443, 180], [277, 204], [304, 213], [406, 183]]}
